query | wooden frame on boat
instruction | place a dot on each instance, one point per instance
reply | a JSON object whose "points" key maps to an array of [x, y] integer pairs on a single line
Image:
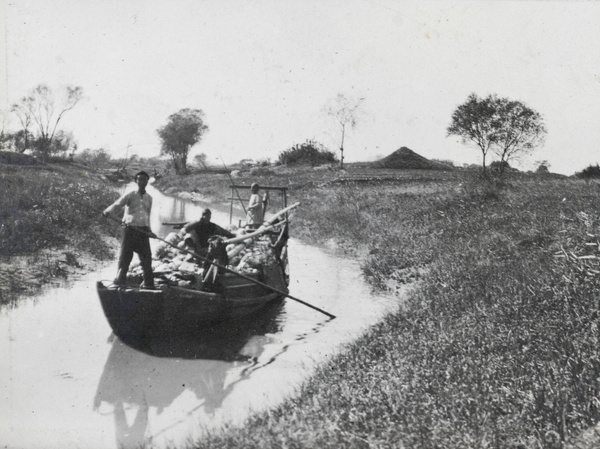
{"points": [[236, 188]]}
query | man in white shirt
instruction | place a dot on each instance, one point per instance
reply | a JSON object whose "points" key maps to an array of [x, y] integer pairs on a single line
{"points": [[137, 205]]}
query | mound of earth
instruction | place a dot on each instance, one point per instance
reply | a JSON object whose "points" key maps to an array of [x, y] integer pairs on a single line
{"points": [[405, 158], [12, 158]]}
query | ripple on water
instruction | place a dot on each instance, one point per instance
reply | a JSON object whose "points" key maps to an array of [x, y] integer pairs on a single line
{"points": [[67, 382]]}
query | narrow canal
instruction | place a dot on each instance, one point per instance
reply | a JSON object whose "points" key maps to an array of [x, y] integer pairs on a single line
{"points": [[67, 382]]}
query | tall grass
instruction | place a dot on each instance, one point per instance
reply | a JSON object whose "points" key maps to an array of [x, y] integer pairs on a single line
{"points": [[496, 347], [50, 226], [43, 208]]}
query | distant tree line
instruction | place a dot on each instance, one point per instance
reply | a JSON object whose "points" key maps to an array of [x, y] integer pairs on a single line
{"points": [[493, 125]]}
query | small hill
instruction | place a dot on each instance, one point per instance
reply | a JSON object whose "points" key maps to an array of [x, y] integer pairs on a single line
{"points": [[405, 158]]}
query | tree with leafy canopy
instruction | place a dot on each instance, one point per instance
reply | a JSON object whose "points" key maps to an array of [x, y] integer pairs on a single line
{"points": [[183, 130], [543, 166], [45, 108], [522, 131], [508, 128], [346, 112]]}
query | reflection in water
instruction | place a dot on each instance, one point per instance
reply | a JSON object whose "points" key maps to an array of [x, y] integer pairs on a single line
{"points": [[173, 210], [62, 385], [134, 383], [217, 341]]}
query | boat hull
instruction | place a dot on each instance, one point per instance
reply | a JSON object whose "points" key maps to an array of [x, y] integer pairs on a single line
{"points": [[136, 313]]}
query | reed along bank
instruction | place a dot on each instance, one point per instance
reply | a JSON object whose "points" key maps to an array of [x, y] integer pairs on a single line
{"points": [[497, 343], [50, 225]]}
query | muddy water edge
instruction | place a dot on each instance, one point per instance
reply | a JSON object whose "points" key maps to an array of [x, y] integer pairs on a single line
{"points": [[67, 382]]}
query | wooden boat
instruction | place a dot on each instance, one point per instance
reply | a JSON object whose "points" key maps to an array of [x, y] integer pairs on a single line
{"points": [[136, 313]]}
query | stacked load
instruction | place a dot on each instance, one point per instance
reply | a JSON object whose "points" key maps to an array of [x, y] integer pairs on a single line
{"points": [[177, 268], [252, 257], [170, 266]]}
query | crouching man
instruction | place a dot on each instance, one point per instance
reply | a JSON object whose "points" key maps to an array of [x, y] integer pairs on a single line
{"points": [[197, 233]]}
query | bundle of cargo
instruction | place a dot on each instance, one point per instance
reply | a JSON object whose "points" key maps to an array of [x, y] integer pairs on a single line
{"points": [[213, 294], [174, 267], [252, 257]]}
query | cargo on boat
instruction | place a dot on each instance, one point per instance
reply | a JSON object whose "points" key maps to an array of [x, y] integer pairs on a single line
{"points": [[193, 291]]}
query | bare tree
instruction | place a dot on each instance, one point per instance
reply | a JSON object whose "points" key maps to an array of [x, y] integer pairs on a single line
{"points": [[346, 112], [46, 109], [6, 138], [22, 110]]}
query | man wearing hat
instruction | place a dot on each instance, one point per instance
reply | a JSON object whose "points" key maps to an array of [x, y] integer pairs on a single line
{"points": [[137, 205], [256, 208]]}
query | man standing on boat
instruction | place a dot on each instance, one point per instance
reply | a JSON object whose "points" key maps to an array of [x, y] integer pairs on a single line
{"points": [[137, 205], [196, 233], [256, 207]]}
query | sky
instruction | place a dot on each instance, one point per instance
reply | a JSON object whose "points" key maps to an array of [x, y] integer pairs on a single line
{"points": [[263, 72]]}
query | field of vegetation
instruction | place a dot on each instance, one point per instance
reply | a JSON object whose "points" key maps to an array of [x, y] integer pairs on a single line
{"points": [[50, 225], [497, 344]]}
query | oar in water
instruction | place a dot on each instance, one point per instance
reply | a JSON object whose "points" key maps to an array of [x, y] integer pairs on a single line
{"points": [[229, 270], [248, 278]]}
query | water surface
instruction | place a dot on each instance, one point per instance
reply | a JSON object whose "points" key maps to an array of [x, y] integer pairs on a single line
{"points": [[67, 382]]}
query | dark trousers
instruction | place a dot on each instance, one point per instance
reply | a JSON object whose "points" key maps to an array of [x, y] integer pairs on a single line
{"points": [[138, 242]]}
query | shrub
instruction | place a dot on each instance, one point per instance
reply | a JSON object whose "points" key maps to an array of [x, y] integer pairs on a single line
{"points": [[66, 214], [261, 171], [499, 166], [96, 159], [592, 171], [448, 162], [11, 158], [310, 152]]}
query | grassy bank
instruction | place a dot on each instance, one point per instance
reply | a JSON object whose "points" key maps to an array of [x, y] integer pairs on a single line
{"points": [[50, 225], [497, 347]]}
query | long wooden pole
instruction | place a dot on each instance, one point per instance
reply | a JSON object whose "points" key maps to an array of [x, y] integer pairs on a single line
{"points": [[263, 228], [233, 186], [229, 270]]}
